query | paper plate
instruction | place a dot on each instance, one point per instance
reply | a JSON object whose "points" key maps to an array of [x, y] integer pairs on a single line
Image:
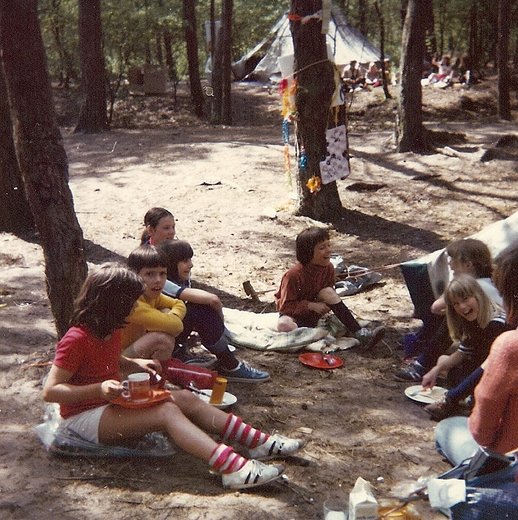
{"points": [[157, 396], [320, 360], [417, 393], [228, 399]]}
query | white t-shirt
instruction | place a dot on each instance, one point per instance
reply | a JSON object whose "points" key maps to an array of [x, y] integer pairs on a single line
{"points": [[491, 291]]}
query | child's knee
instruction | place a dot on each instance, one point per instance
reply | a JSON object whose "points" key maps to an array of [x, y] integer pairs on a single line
{"points": [[328, 295], [286, 324]]}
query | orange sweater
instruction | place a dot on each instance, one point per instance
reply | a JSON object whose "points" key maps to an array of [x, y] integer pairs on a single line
{"points": [[494, 420]]}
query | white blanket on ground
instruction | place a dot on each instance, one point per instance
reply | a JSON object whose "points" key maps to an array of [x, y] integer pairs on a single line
{"points": [[257, 331]]}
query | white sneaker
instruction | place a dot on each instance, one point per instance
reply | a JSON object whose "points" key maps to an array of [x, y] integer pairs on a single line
{"points": [[252, 474], [276, 446]]}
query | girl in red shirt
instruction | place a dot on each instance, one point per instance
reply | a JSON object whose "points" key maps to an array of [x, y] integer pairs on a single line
{"points": [[86, 375]]}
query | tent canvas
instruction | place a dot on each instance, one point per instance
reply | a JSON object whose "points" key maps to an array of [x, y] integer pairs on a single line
{"points": [[427, 276], [344, 43]]}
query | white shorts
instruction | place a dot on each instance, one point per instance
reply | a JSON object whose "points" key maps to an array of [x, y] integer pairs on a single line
{"points": [[86, 424]]}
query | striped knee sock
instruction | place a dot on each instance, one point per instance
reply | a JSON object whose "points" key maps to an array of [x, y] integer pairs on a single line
{"points": [[237, 430], [225, 460]]}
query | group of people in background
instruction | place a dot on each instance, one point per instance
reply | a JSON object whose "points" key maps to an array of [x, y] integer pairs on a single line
{"points": [[131, 318], [441, 71]]}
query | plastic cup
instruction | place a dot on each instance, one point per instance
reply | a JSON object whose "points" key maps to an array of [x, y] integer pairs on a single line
{"points": [[218, 390]]}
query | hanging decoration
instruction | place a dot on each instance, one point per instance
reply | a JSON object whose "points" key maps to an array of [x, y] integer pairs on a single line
{"points": [[314, 184], [336, 164]]}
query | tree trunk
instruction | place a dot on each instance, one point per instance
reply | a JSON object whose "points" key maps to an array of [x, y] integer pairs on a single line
{"points": [[191, 41], [473, 36], [226, 62], [504, 102], [92, 117], [362, 16], [15, 214], [171, 62], [409, 126], [384, 71], [159, 49], [41, 156], [315, 87]]}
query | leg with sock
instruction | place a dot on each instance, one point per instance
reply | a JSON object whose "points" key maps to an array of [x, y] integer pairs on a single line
{"points": [[260, 445], [366, 336]]}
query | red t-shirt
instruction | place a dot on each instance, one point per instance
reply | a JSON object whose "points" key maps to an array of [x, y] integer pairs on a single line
{"points": [[301, 285], [91, 360]]}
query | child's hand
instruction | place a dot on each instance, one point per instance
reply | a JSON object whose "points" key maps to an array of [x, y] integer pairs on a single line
{"points": [[148, 365], [430, 378], [111, 389], [319, 308]]}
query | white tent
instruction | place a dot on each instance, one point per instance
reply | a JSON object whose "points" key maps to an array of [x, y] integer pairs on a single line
{"points": [[344, 43]]}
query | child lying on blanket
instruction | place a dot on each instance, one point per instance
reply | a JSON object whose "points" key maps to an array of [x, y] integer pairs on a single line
{"points": [[307, 290]]}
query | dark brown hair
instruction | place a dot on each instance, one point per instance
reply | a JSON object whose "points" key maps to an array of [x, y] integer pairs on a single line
{"points": [[145, 256], [306, 242], [474, 251], [174, 251], [152, 218], [106, 299]]}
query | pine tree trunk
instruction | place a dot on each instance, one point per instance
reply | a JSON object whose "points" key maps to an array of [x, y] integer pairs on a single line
{"points": [[409, 125], [315, 87], [504, 102], [226, 62], [92, 117], [15, 214], [41, 156], [191, 41]]}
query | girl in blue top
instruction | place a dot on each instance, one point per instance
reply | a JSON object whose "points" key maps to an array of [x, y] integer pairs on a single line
{"points": [[203, 314]]}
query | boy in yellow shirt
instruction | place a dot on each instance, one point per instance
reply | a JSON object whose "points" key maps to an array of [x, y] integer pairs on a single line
{"points": [[156, 318]]}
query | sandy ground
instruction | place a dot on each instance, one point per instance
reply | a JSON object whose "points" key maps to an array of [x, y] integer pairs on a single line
{"points": [[231, 198]]}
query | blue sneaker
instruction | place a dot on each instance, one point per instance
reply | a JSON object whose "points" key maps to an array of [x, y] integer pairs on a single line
{"points": [[244, 373]]}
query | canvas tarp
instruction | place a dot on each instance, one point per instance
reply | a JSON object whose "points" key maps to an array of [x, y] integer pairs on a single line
{"points": [[427, 276], [344, 43]]}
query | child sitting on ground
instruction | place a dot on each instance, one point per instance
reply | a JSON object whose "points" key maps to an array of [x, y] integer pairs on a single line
{"points": [[465, 256], [474, 322], [157, 319], [307, 290], [86, 375], [201, 316]]}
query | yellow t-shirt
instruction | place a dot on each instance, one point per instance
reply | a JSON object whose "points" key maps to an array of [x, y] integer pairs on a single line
{"points": [[148, 317]]}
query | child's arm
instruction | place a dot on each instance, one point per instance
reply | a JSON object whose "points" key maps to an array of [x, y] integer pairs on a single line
{"points": [[439, 306], [153, 320], [202, 297], [444, 364], [58, 390], [130, 365], [176, 306]]}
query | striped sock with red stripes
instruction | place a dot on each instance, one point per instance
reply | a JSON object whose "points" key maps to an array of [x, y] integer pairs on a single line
{"points": [[238, 431], [225, 460]]}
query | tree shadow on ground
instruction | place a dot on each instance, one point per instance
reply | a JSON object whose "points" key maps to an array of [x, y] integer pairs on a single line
{"points": [[368, 227]]}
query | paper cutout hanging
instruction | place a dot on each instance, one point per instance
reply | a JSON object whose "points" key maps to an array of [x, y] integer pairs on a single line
{"points": [[336, 164]]}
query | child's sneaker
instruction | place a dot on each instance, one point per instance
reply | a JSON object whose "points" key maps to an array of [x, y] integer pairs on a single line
{"points": [[184, 354], [276, 446], [253, 473], [412, 372], [244, 373], [441, 409], [369, 337]]}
